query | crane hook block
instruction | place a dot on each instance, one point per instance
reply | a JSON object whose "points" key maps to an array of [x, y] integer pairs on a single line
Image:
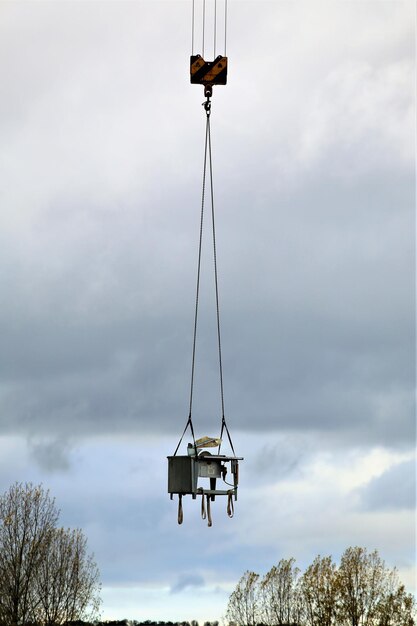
{"points": [[208, 73]]}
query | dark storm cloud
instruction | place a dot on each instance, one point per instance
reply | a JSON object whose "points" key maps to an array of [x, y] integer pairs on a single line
{"points": [[317, 322], [315, 250], [317, 312], [395, 489]]}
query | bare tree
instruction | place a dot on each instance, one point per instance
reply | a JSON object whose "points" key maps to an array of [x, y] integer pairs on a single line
{"points": [[361, 592], [319, 591], [27, 517], [46, 575], [279, 595], [67, 582], [361, 579], [396, 607], [243, 603]]}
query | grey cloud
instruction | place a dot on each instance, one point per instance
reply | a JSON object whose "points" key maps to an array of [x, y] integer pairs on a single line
{"points": [[317, 330], [394, 489], [186, 581], [52, 455], [97, 281], [279, 459]]}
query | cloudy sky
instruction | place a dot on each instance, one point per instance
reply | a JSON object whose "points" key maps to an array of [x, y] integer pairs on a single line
{"points": [[101, 152]]}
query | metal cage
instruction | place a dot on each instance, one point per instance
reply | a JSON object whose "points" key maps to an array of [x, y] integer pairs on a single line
{"points": [[185, 471]]}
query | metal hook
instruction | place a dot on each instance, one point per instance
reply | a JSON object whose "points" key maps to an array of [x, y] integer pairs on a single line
{"points": [[207, 106]]}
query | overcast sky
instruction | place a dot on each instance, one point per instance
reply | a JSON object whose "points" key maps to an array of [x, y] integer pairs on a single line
{"points": [[101, 153]]}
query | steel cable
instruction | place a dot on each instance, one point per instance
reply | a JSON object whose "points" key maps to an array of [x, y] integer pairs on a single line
{"points": [[215, 270], [204, 22], [200, 244], [215, 27], [225, 26], [208, 162], [192, 29]]}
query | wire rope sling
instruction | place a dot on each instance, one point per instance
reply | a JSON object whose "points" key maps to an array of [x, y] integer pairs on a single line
{"points": [[197, 473]]}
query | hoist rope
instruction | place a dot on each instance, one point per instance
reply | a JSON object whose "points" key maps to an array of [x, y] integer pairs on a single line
{"points": [[202, 14], [219, 345], [188, 424], [216, 282], [204, 22], [224, 426], [225, 26], [192, 28], [208, 162], [215, 28], [200, 245]]}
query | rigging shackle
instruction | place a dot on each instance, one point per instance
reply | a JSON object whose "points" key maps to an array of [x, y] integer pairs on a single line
{"points": [[207, 104]]}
